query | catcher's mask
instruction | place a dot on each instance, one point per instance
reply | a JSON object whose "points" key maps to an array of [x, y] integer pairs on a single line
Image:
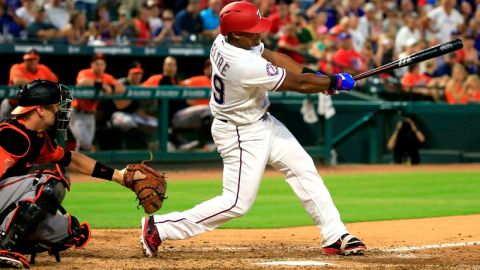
{"points": [[41, 93]]}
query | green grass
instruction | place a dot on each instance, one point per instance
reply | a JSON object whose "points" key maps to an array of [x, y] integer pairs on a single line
{"points": [[359, 197]]}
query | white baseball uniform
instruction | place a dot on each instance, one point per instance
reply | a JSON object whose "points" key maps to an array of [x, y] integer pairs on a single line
{"points": [[248, 138]]}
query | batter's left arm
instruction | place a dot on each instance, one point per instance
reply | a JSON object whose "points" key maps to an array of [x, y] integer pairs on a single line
{"points": [[283, 61], [307, 82]]}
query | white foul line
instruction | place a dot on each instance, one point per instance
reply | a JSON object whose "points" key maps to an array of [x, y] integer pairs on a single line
{"points": [[304, 248], [404, 249], [297, 263]]}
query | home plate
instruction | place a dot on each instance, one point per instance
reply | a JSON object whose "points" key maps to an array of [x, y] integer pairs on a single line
{"points": [[297, 263]]}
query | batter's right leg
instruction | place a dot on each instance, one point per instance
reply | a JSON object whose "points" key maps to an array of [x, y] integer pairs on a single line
{"points": [[288, 156], [293, 161]]}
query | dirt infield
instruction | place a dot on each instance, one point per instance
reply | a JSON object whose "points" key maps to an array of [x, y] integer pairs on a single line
{"points": [[245, 249], [434, 243]]}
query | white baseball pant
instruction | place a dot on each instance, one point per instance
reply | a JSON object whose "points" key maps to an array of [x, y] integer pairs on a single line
{"points": [[246, 150]]}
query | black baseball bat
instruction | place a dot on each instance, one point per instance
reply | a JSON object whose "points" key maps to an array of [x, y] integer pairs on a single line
{"points": [[418, 57]]}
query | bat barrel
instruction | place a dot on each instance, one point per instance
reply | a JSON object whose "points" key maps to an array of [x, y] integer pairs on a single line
{"points": [[418, 57]]}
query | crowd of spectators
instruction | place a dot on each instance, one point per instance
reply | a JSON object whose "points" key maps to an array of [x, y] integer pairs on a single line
{"points": [[346, 35], [109, 22], [354, 36]]}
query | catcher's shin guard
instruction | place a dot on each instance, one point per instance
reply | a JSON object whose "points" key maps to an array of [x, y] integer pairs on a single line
{"points": [[78, 238], [28, 214], [25, 219]]}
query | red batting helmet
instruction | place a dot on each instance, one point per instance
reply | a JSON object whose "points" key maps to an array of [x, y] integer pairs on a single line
{"points": [[242, 17]]}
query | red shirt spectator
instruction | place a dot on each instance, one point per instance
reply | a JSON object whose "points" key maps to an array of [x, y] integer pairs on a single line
{"points": [[474, 96], [456, 95], [455, 92], [420, 84], [141, 23], [412, 79], [290, 45], [280, 18], [346, 59], [472, 87]]}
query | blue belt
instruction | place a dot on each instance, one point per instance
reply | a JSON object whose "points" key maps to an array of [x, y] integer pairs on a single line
{"points": [[261, 118]]}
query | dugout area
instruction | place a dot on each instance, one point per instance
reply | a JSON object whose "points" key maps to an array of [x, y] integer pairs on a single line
{"points": [[358, 131]]}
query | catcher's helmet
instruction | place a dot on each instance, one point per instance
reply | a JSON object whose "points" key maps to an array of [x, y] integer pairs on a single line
{"points": [[242, 17], [36, 93], [41, 93]]}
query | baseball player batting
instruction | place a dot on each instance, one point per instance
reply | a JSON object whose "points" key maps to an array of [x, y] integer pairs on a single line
{"points": [[248, 137], [31, 216]]}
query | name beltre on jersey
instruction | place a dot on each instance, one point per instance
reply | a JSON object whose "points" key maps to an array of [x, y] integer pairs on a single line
{"points": [[218, 59]]}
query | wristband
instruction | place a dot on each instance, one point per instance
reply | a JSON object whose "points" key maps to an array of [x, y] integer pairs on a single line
{"points": [[308, 70], [333, 82], [102, 171]]}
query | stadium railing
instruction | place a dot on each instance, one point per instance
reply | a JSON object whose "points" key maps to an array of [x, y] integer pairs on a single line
{"points": [[358, 132]]}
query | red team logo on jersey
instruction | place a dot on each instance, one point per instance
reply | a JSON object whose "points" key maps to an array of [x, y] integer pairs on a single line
{"points": [[272, 70]]}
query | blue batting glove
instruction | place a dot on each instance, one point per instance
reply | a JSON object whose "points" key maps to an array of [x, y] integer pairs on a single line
{"points": [[345, 81], [318, 73]]}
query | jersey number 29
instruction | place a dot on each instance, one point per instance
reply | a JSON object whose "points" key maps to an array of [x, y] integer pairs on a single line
{"points": [[218, 89]]}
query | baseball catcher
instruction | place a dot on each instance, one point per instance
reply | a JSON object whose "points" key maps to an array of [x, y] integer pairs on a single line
{"points": [[32, 218]]}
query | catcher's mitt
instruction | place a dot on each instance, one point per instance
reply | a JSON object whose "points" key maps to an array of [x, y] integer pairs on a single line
{"points": [[151, 190]]}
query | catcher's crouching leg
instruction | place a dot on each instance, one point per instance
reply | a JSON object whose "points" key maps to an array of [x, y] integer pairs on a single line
{"points": [[51, 199], [25, 219], [79, 236], [28, 214]]}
